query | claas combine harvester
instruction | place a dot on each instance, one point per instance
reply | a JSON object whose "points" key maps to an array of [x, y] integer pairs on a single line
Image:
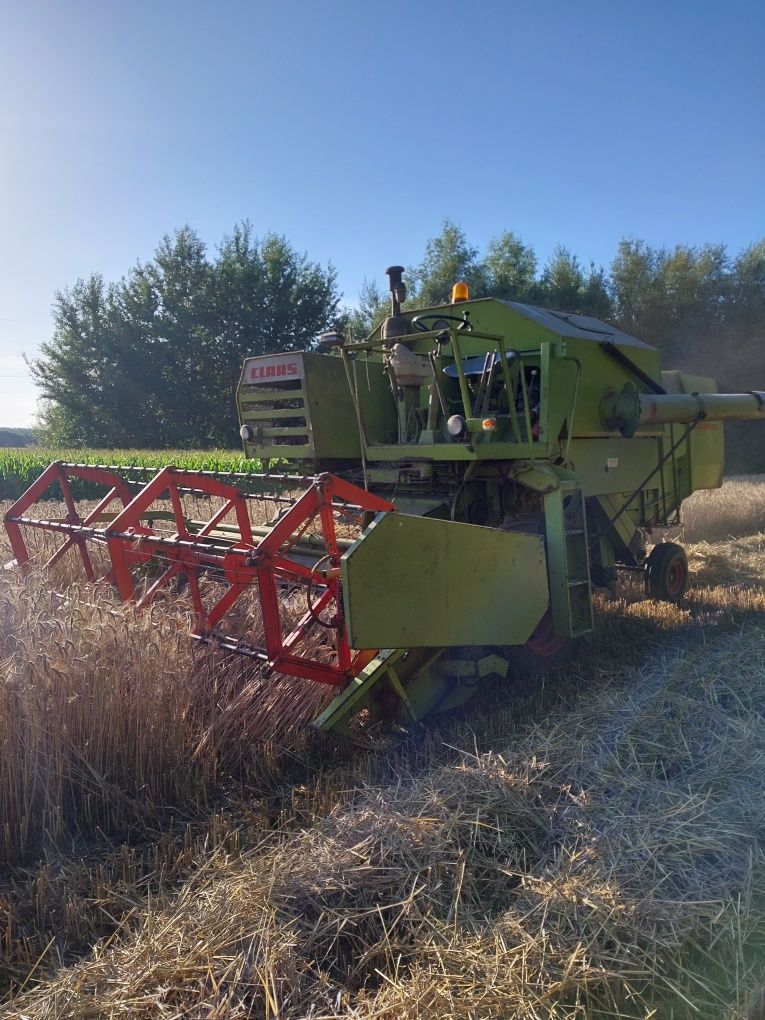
{"points": [[444, 497]]}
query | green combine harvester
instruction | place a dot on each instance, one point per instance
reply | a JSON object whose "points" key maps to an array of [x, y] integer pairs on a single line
{"points": [[446, 495]]}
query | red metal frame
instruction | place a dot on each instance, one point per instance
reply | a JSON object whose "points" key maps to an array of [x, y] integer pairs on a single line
{"points": [[239, 563], [75, 528]]}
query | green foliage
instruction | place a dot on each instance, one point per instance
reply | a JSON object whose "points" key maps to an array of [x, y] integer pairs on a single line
{"points": [[566, 285], [153, 360], [448, 258], [373, 305], [20, 467], [510, 268], [748, 291], [661, 293]]}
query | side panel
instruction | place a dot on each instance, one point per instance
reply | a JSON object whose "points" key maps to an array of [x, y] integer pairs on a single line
{"points": [[416, 582], [707, 455], [615, 465], [334, 430]]}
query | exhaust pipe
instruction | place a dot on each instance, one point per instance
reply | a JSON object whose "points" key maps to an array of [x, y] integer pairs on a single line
{"points": [[395, 325]]}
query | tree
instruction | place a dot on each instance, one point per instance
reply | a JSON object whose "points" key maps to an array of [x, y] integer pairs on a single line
{"points": [[747, 293], [665, 294], [633, 283], [562, 280], [175, 343], [373, 306], [448, 258], [154, 359], [510, 268], [72, 370], [596, 297], [743, 341], [565, 285], [266, 298]]}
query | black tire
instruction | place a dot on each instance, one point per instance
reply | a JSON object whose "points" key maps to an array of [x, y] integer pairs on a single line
{"points": [[666, 573]]}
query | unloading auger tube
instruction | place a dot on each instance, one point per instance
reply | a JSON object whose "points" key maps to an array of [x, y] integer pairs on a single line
{"points": [[629, 409], [444, 497]]}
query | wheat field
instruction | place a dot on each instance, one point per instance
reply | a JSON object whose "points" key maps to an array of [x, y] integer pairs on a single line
{"points": [[590, 845]]}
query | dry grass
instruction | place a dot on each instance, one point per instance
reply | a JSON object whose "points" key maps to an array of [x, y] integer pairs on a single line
{"points": [[109, 717], [593, 847], [600, 865], [735, 509]]}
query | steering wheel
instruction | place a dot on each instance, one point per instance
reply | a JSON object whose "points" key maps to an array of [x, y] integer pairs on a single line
{"points": [[419, 322]]}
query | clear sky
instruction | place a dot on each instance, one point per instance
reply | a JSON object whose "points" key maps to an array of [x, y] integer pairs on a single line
{"points": [[354, 128]]}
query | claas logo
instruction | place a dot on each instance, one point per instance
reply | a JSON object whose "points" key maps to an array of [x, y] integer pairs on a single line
{"points": [[282, 370]]}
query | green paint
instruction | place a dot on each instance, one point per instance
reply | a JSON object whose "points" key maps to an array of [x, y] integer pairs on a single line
{"points": [[471, 574], [566, 453]]}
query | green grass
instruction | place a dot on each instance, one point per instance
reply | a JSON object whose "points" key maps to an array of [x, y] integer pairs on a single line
{"points": [[20, 466]]}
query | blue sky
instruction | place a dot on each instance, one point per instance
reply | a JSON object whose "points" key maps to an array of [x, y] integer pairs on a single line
{"points": [[355, 128]]}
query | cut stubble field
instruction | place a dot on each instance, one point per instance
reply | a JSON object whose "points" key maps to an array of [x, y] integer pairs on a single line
{"points": [[587, 846]]}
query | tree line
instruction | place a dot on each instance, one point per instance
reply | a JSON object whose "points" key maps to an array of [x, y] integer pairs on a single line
{"points": [[153, 359]]}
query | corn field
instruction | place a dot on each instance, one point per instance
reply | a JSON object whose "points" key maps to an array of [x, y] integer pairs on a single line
{"points": [[20, 466]]}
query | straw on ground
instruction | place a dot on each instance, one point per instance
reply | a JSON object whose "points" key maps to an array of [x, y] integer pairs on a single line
{"points": [[588, 847]]}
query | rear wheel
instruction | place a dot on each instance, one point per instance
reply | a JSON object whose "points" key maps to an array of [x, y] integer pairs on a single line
{"points": [[666, 573]]}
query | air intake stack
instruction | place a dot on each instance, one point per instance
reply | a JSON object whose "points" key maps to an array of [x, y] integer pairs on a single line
{"points": [[395, 325]]}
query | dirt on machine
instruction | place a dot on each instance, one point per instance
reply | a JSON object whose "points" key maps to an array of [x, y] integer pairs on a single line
{"points": [[443, 498]]}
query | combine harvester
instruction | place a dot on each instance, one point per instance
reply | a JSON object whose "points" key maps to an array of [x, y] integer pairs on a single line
{"points": [[455, 486]]}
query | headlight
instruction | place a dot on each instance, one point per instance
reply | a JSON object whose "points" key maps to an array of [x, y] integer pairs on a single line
{"points": [[455, 426]]}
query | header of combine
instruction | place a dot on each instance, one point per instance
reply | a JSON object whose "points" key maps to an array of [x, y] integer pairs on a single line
{"points": [[473, 471]]}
